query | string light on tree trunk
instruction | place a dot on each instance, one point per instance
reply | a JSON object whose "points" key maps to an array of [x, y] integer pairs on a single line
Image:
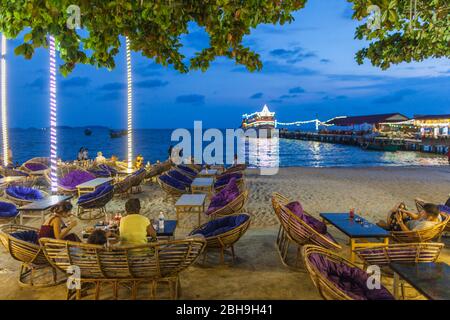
{"points": [[3, 102], [53, 140], [130, 106]]}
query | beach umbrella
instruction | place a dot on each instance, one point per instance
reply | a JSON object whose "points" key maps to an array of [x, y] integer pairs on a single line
{"points": [[53, 137], [129, 107], [3, 101]]}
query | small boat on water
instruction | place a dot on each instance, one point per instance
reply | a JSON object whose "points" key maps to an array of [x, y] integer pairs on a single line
{"points": [[117, 133], [381, 144], [87, 132]]}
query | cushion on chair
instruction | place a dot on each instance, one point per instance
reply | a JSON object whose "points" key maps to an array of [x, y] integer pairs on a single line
{"points": [[100, 191], [8, 210], [314, 223], [74, 178], [187, 169], [24, 193], [105, 167], [351, 280], [444, 209], [30, 236], [222, 225], [35, 166], [223, 197], [173, 182], [179, 176], [223, 180]]}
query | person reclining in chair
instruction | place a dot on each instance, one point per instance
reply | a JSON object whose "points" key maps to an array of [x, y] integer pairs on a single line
{"points": [[400, 219]]}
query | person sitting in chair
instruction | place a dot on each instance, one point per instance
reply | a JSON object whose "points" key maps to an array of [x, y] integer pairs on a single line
{"points": [[134, 227]]}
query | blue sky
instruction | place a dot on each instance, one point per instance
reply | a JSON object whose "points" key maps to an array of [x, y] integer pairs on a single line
{"points": [[309, 69]]}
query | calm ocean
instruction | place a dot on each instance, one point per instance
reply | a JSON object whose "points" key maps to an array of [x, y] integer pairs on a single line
{"points": [[153, 145]]}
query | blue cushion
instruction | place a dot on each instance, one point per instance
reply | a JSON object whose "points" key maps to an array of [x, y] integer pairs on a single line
{"points": [[444, 208], [105, 167], [173, 182], [187, 169], [179, 176], [26, 235], [221, 225], [8, 210], [100, 191], [24, 193]]}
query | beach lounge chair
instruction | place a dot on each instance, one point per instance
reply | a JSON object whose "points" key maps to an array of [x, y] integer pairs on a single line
{"points": [[337, 278], [129, 266], [95, 201], [8, 212], [228, 201], [223, 233], [22, 244], [299, 228], [423, 235], [172, 186], [22, 195]]}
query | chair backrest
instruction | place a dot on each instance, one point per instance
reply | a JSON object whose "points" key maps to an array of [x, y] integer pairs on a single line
{"points": [[123, 185], [403, 253], [150, 261], [21, 250], [233, 207], [302, 233], [231, 236], [327, 288], [423, 235]]}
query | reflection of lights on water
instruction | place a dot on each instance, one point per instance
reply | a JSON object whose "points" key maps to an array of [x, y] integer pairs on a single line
{"points": [[263, 152]]}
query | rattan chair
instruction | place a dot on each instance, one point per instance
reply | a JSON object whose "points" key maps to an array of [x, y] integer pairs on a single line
{"points": [[423, 235], [235, 168], [136, 180], [225, 240], [122, 188], [34, 262], [62, 171], [187, 171], [296, 231], [327, 288], [98, 204], [171, 191], [21, 201], [130, 266], [38, 161], [233, 207]]}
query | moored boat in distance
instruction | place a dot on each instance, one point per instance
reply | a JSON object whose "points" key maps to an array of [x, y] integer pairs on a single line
{"points": [[117, 133], [265, 119], [87, 132]]}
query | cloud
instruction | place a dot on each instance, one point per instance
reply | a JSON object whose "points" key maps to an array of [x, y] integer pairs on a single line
{"points": [[394, 97], [273, 67], [76, 82], [293, 56], [39, 83], [112, 86], [151, 69], [191, 99], [296, 90], [355, 77], [325, 60], [151, 83], [257, 95], [288, 96], [110, 96], [276, 101]]}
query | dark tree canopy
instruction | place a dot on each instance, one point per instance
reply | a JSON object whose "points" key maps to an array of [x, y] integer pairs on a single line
{"points": [[154, 28], [400, 38]]}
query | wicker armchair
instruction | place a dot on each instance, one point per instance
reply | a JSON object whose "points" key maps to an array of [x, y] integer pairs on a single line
{"points": [[22, 201], [95, 201], [123, 187], [328, 289], [225, 240], [235, 168], [136, 180], [295, 230], [36, 166], [171, 191], [131, 266], [34, 262], [62, 171], [233, 207], [419, 205], [423, 235], [187, 171]]}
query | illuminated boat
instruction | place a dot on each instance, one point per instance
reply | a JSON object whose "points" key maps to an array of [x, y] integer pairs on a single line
{"points": [[265, 119]]}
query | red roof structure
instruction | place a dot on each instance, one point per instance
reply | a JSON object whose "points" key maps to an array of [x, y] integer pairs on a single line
{"points": [[374, 119]]}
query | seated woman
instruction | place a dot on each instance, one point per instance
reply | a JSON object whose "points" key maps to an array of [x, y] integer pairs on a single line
{"points": [[134, 227], [55, 227], [399, 219]]}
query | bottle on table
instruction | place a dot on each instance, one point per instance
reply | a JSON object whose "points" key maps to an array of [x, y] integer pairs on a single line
{"points": [[352, 213], [161, 221]]}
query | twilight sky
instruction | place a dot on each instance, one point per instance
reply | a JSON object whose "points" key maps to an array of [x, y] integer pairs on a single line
{"points": [[309, 69]]}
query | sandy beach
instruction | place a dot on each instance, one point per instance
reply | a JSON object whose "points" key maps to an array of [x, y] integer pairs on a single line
{"points": [[258, 272]]}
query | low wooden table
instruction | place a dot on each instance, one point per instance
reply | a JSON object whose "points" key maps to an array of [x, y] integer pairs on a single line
{"points": [[92, 185], [357, 232], [191, 203], [429, 278], [202, 185], [40, 207]]}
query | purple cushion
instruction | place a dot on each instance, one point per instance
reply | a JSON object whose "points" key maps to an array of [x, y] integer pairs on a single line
{"points": [[221, 225], [8, 210], [223, 197], [74, 178], [173, 182], [105, 167], [444, 208], [317, 225], [35, 166], [351, 280], [223, 180], [100, 191], [26, 235], [24, 193], [180, 177]]}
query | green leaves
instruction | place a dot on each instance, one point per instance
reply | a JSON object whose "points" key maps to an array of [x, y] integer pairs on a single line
{"points": [[153, 27], [405, 34]]}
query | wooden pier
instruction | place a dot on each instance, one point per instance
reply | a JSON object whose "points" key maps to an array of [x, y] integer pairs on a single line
{"points": [[429, 145]]}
